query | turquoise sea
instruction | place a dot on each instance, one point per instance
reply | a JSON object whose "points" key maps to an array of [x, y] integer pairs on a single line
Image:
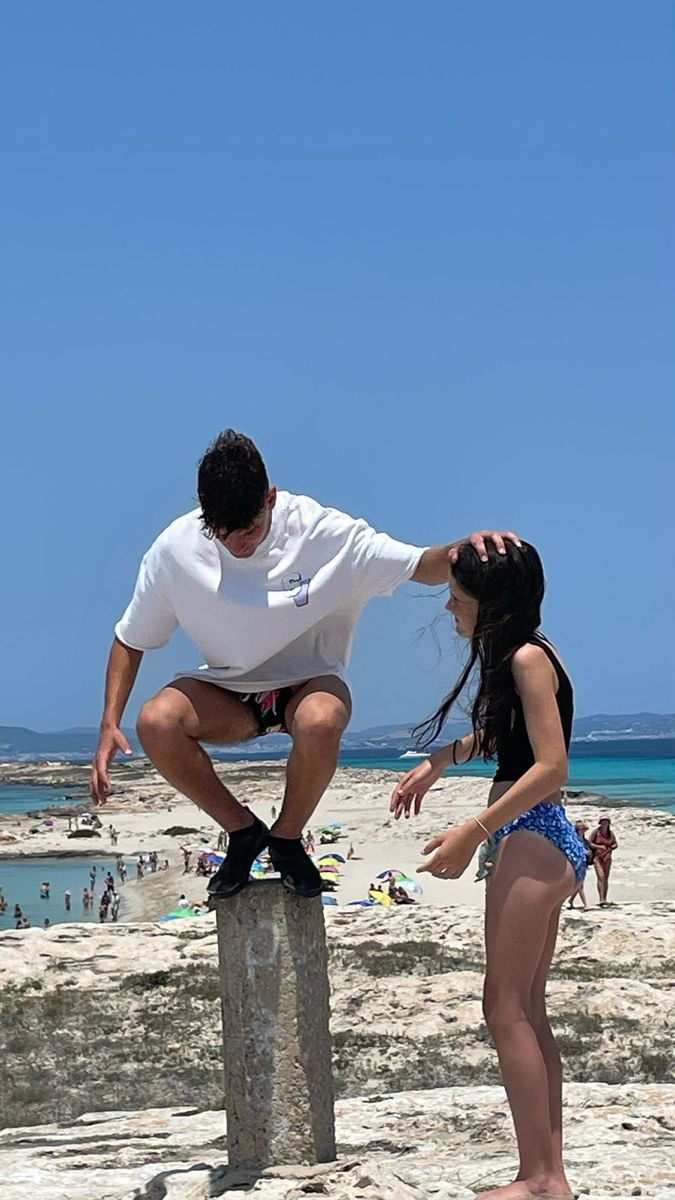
{"points": [[20, 883], [19, 798], [637, 772], [20, 879]]}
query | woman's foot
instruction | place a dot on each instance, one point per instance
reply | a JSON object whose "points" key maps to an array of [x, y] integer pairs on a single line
{"points": [[531, 1189]]}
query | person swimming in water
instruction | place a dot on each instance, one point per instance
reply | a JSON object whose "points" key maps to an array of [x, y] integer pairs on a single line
{"points": [[522, 717]]}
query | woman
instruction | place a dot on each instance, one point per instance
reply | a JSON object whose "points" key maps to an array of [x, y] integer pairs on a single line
{"points": [[603, 842], [522, 716]]}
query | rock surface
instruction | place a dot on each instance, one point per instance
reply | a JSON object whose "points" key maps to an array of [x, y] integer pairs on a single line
{"points": [[414, 1145], [129, 1016]]}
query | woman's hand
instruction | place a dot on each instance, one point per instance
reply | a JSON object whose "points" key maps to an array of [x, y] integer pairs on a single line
{"points": [[451, 851], [408, 793]]}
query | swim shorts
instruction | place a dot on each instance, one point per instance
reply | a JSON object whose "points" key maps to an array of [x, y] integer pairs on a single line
{"points": [[269, 708]]}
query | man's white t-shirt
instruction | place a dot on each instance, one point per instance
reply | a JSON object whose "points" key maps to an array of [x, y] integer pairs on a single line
{"points": [[284, 615]]}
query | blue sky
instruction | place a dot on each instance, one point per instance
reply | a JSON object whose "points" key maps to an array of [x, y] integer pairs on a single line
{"points": [[423, 254]]}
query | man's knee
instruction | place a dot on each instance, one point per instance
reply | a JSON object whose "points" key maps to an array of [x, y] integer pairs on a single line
{"points": [[159, 718], [321, 721]]}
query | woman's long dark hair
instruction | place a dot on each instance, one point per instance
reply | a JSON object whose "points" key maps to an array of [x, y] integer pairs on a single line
{"points": [[509, 589]]}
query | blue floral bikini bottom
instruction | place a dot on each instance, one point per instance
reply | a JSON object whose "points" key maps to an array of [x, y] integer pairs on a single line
{"points": [[551, 821]]}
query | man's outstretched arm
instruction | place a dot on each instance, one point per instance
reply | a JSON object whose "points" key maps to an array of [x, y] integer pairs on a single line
{"points": [[435, 563], [123, 665]]}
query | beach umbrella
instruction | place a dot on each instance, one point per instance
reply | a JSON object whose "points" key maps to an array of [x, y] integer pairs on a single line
{"points": [[411, 885], [335, 859], [214, 856], [381, 898], [396, 873], [328, 899]]}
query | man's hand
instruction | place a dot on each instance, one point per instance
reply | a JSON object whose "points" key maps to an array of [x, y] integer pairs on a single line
{"points": [[477, 540], [111, 740]]}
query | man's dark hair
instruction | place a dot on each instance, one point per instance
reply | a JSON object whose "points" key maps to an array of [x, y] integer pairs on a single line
{"points": [[232, 483]]}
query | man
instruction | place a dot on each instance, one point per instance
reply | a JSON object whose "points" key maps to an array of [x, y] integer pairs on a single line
{"points": [[269, 586]]}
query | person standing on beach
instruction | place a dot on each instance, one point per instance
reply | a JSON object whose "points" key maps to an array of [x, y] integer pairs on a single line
{"points": [[603, 843], [522, 716], [269, 586]]}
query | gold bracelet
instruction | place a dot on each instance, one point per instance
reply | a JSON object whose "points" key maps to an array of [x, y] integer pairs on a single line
{"points": [[481, 826]]}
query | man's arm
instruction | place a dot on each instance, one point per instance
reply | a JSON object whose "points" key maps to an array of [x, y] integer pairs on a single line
{"points": [[433, 567], [123, 664]]}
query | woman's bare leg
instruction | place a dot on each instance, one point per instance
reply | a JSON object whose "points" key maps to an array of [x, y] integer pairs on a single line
{"points": [[530, 881], [607, 868], [547, 1045], [601, 880]]}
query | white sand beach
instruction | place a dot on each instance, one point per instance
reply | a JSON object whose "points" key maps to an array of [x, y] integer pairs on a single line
{"points": [[143, 807]]}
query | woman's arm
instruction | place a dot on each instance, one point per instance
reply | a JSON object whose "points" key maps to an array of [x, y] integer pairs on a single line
{"points": [[458, 752], [407, 795]]}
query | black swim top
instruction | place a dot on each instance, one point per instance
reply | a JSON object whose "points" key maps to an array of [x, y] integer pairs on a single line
{"points": [[515, 756]]}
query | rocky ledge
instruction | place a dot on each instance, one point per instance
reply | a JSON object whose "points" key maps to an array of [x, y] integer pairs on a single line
{"points": [[443, 1144], [128, 1017]]}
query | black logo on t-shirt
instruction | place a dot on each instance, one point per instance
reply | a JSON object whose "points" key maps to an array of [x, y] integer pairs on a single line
{"points": [[297, 588]]}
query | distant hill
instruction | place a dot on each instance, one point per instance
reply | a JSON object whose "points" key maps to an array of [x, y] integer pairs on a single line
{"points": [[80, 743], [605, 726], [64, 743]]}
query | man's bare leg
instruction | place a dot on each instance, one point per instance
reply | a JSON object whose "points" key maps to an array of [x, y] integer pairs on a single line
{"points": [[316, 718], [171, 727]]}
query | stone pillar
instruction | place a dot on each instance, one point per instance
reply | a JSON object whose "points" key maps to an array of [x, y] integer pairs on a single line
{"points": [[274, 985]]}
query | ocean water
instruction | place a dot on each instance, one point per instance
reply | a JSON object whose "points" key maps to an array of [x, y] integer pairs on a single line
{"points": [[20, 882], [638, 771], [19, 798]]}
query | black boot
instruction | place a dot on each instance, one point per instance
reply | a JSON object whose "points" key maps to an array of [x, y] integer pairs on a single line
{"points": [[243, 848], [298, 873]]}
